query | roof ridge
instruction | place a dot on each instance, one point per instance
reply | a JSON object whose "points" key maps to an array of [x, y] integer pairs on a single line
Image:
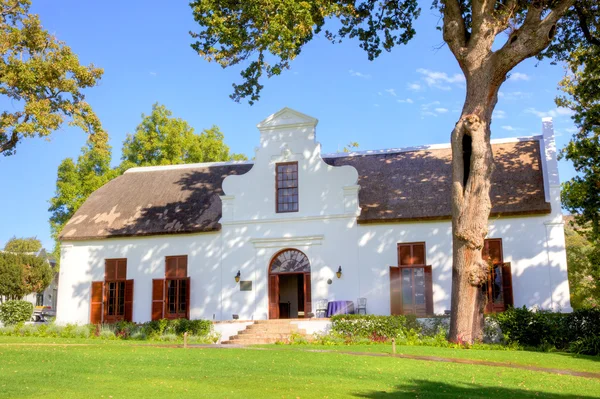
{"points": [[327, 156]]}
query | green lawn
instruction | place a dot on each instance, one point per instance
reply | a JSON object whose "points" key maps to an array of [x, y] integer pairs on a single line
{"points": [[557, 360], [125, 370]]}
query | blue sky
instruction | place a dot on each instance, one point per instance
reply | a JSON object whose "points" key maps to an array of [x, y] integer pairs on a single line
{"points": [[411, 96]]}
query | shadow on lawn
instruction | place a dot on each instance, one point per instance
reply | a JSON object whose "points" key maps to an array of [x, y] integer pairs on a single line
{"points": [[430, 389], [579, 357]]}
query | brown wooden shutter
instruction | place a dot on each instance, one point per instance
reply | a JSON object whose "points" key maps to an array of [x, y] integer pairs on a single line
{"points": [[96, 300], [395, 291], [307, 295], [176, 267], [428, 290], [128, 300], [182, 266], [110, 269], [418, 255], [404, 255], [158, 298], [274, 296], [171, 267], [121, 266], [507, 291], [492, 250], [187, 298]]}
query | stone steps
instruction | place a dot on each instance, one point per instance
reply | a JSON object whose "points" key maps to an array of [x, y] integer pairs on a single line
{"points": [[265, 332]]}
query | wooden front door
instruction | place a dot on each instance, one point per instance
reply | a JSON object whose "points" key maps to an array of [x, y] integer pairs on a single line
{"points": [[273, 296], [289, 261]]}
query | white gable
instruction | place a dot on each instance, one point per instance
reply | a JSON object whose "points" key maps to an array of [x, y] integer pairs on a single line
{"points": [[286, 118]]}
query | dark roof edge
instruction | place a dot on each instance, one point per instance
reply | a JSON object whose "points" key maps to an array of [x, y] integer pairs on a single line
{"points": [[443, 218], [130, 235]]}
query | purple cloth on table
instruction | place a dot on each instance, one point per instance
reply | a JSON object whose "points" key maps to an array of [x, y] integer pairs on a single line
{"points": [[340, 307]]}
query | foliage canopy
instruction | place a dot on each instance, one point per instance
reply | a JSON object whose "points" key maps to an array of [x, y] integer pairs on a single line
{"points": [[41, 77], [20, 245]]}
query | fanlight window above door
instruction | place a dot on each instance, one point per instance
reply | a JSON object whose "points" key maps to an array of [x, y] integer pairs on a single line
{"points": [[290, 261]]}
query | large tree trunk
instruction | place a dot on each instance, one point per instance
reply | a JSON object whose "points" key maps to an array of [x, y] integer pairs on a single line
{"points": [[472, 166]]}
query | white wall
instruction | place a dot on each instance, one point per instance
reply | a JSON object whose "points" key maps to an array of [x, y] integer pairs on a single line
{"points": [[83, 262], [325, 229]]}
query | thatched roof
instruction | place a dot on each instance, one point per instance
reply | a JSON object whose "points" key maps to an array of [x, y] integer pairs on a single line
{"points": [[395, 186]]}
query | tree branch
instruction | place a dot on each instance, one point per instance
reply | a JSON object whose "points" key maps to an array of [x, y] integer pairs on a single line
{"points": [[534, 35], [455, 30], [583, 23]]}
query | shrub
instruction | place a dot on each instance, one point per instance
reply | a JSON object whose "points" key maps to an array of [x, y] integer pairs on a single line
{"points": [[582, 323], [368, 326], [192, 327], [589, 345], [531, 328], [14, 312], [26, 330], [168, 337], [106, 332], [54, 330], [433, 325], [545, 330]]}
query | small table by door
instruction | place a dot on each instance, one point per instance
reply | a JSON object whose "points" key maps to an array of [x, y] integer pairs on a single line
{"points": [[340, 307]]}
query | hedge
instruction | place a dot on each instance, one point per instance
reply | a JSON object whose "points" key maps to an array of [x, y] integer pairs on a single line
{"points": [[372, 326], [577, 331], [14, 312]]}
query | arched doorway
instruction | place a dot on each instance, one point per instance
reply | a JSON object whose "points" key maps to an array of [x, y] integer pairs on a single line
{"points": [[289, 285]]}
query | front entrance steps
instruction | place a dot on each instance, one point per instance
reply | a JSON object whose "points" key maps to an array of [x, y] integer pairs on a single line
{"points": [[266, 332]]}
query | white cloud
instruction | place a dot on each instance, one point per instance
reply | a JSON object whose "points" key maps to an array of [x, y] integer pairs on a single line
{"points": [[359, 75], [408, 100], [513, 95], [153, 73], [571, 130], [498, 114], [519, 76], [509, 128], [414, 86], [379, 93], [430, 109], [554, 113], [391, 92], [440, 80], [376, 105]]}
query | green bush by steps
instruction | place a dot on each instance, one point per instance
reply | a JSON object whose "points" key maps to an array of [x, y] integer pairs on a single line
{"points": [[15, 312], [199, 331], [373, 327]]}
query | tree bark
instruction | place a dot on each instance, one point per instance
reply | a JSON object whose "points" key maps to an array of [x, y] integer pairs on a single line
{"points": [[472, 166], [472, 160]]}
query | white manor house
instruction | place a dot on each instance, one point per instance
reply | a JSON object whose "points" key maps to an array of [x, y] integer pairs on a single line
{"points": [[268, 238]]}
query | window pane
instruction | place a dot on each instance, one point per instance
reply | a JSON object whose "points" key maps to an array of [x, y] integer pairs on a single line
{"points": [[497, 285], [419, 286], [111, 298], [121, 299], [407, 287], [287, 187], [172, 296], [182, 296]]}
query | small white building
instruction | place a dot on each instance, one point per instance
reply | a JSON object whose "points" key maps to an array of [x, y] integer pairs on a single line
{"points": [[173, 241]]}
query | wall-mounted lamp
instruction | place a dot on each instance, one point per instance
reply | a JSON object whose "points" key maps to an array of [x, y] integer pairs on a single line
{"points": [[339, 272], [237, 277]]}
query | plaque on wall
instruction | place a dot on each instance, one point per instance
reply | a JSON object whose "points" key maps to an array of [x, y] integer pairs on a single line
{"points": [[245, 285]]}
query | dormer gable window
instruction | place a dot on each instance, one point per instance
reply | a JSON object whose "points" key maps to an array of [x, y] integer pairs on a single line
{"points": [[286, 184]]}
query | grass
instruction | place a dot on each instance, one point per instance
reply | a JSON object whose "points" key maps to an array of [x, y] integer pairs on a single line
{"points": [[120, 369], [557, 360]]}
